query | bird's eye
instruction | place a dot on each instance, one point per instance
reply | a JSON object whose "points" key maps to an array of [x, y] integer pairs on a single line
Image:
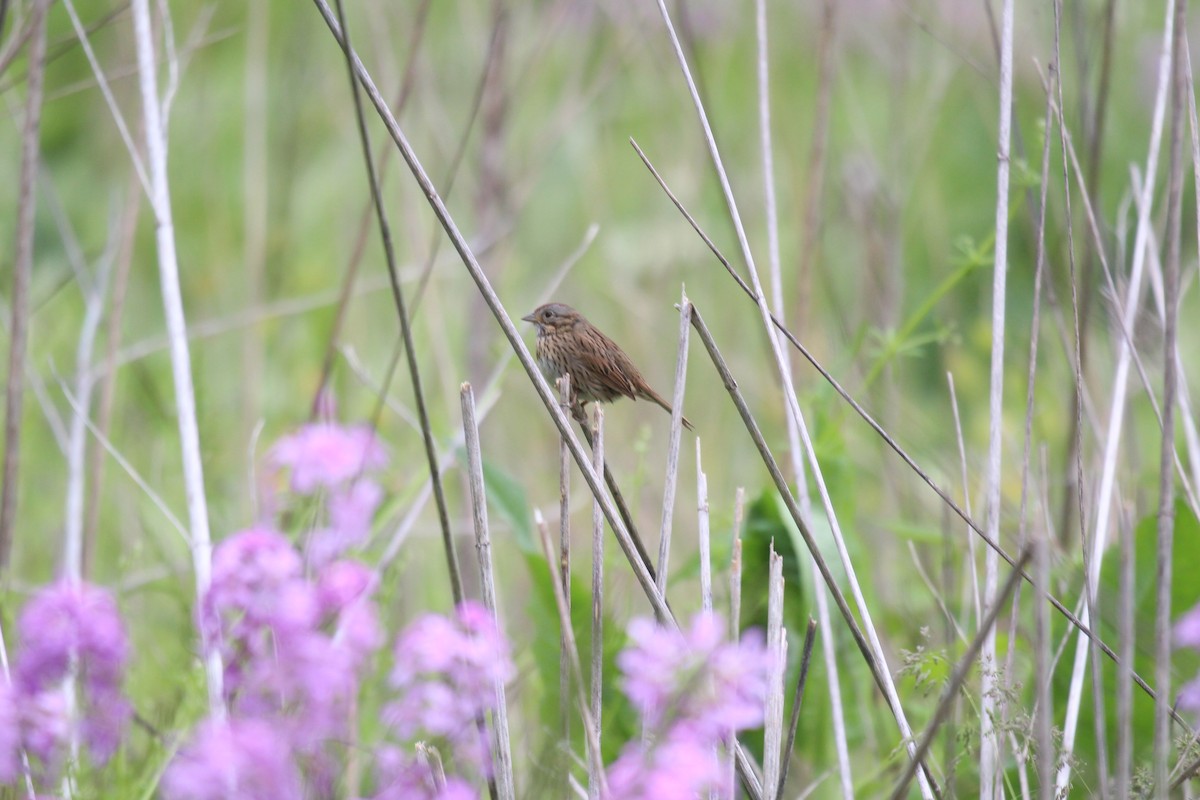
{"points": [[548, 313]]}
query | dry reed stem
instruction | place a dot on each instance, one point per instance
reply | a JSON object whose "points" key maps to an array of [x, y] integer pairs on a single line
{"points": [[564, 562], [501, 743], [735, 603], [990, 754], [1166, 503], [703, 535], [777, 658], [154, 122], [596, 692], [564, 617], [672, 475], [1043, 698]]}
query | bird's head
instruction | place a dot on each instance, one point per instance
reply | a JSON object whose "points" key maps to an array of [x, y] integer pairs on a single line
{"points": [[553, 317]]}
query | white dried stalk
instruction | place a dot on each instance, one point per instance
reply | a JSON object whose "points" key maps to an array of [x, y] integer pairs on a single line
{"points": [[777, 651], [702, 534], [989, 741], [597, 687], [1116, 416], [181, 366], [672, 477], [483, 546]]}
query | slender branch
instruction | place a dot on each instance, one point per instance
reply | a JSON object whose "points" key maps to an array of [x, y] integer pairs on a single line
{"points": [[456, 587]]}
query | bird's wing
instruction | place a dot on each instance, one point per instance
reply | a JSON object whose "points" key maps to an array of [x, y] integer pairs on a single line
{"points": [[616, 368]]}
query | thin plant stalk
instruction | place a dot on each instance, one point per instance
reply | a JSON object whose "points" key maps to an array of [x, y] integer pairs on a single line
{"points": [[455, 574], [1126, 642], [483, 546], [181, 365], [564, 563], [777, 653], [958, 676], [1043, 712], [989, 741], [735, 606], [14, 391], [798, 696], [1166, 503], [962, 462], [597, 677], [1128, 315], [94, 292], [104, 412], [591, 735], [1076, 485], [812, 219], [702, 535], [672, 476]]}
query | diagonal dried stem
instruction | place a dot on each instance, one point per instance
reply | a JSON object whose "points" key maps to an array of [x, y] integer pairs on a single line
{"points": [[789, 499], [1058, 605], [564, 564], [456, 586], [959, 675], [504, 320], [806, 657]]}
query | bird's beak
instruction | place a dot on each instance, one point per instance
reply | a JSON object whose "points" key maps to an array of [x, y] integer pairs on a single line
{"points": [[528, 317]]}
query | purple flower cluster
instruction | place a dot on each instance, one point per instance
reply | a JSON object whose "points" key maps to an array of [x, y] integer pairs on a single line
{"points": [[445, 674], [68, 630], [1187, 634], [334, 460], [293, 648], [233, 760], [296, 633], [692, 689]]}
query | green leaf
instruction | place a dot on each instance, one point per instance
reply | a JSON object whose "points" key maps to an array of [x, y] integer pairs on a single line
{"points": [[508, 497]]}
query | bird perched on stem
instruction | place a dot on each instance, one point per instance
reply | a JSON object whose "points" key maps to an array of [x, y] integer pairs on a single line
{"points": [[599, 369]]}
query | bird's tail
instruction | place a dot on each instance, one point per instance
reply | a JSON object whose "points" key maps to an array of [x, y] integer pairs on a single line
{"points": [[654, 397]]}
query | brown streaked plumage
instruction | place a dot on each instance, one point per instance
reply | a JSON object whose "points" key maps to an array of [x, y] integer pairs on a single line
{"points": [[599, 369]]}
